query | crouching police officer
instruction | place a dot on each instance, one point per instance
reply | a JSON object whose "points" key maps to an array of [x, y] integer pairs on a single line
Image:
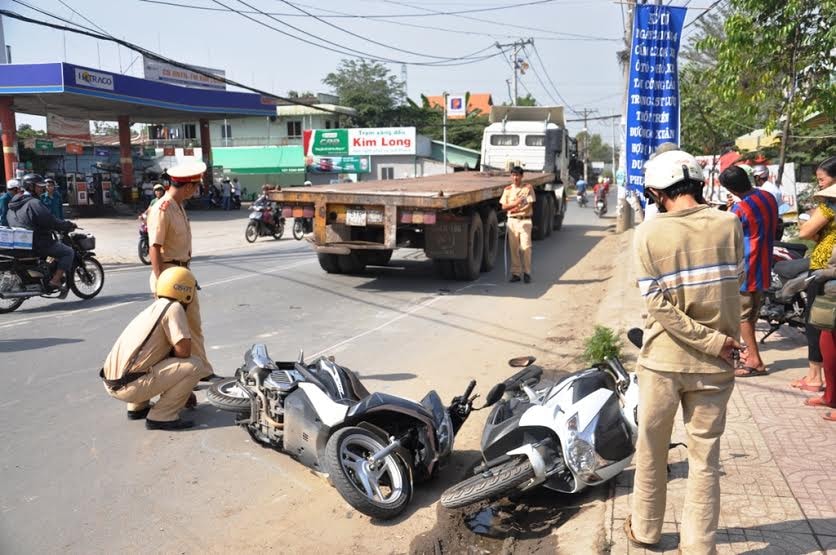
{"points": [[153, 356], [170, 239]]}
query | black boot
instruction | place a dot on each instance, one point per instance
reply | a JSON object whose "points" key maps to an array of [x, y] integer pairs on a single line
{"points": [[172, 425], [139, 414]]}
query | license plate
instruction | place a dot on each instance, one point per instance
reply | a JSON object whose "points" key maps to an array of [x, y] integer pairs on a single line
{"points": [[356, 217]]}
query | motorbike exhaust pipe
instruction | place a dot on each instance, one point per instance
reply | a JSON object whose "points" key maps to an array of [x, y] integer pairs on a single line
{"points": [[20, 294]]}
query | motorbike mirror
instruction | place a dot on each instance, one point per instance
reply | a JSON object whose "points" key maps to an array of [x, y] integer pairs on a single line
{"points": [[495, 394], [521, 362], [636, 337]]}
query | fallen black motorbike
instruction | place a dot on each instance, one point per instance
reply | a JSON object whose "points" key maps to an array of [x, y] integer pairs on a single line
{"points": [[24, 275], [372, 445]]}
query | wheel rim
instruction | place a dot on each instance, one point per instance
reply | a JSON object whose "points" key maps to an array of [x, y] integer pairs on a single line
{"points": [[252, 233], [233, 389], [8, 283], [87, 278], [382, 483]]}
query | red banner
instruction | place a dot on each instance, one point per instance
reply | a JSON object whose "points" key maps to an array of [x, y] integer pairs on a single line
{"points": [[188, 152], [168, 151], [74, 148]]}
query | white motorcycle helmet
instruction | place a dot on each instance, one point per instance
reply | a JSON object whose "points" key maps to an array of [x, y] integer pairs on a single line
{"points": [[670, 168]]}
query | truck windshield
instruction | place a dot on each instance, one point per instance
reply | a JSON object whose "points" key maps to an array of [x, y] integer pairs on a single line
{"points": [[505, 140]]}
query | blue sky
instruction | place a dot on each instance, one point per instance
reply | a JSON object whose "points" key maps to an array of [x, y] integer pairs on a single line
{"points": [[585, 72]]}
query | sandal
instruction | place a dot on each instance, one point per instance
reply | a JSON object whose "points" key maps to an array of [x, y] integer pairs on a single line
{"points": [[830, 416], [628, 531], [802, 384], [815, 402], [749, 371]]}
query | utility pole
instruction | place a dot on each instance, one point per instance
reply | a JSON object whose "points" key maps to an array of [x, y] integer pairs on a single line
{"points": [[585, 113], [444, 131], [519, 66], [623, 220]]}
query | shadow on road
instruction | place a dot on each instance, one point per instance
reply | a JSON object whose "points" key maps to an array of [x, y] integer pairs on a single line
{"points": [[17, 345]]}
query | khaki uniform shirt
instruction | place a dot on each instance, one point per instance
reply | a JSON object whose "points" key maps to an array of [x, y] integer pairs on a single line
{"points": [[168, 226], [512, 193], [173, 327]]}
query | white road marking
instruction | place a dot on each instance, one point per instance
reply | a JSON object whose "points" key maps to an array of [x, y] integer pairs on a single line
{"points": [[411, 311], [252, 275], [117, 305]]}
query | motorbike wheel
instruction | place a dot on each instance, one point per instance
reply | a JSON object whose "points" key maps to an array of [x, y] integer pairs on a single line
{"points": [[298, 229], [382, 493], [227, 395], [493, 484], [279, 231], [10, 282], [251, 233], [143, 251], [88, 278]]}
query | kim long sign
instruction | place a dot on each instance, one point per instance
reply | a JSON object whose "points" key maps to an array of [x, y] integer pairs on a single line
{"points": [[653, 92]]}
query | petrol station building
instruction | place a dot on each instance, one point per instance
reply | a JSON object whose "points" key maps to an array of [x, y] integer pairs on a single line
{"points": [[81, 93]]}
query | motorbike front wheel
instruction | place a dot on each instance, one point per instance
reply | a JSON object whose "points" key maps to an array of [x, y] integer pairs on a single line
{"points": [[298, 229], [228, 395], [491, 484], [380, 490], [10, 283], [251, 233], [142, 248], [87, 279]]}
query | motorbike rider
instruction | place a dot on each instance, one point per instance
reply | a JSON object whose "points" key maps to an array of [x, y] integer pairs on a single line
{"points": [[170, 244], [600, 191], [688, 259], [12, 188], [760, 174], [27, 211], [153, 356], [580, 185], [263, 199]]}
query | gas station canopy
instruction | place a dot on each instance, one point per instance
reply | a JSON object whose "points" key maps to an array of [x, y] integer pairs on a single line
{"points": [[83, 93]]}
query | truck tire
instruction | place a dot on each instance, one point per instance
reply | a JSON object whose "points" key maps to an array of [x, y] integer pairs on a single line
{"points": [[376, 258], [560, 210], [351, 263], [470, 268], [538, 231], [549, 219], [444, 269], [329, 263], [490, 227]]}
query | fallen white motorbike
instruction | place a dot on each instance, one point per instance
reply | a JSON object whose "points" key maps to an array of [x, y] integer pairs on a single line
{"points": [[566, 436]]}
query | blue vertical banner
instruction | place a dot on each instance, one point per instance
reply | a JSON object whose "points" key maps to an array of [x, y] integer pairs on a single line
{"points": [[653, 91]]}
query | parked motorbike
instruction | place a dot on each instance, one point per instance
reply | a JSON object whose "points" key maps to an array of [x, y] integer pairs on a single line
{"points": [[143, 246], [566, 436], [24, 275], [785, 302], [301, 226], [372, 445], [264, 220], [581, 198]]}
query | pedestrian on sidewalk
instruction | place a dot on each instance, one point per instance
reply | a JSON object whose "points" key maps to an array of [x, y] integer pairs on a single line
{"points": [[518, 200], [690, 260], [827, 345], [52, 199], [757, 211], [153, 356], [821, 227], [226, 193], [170, 240]]}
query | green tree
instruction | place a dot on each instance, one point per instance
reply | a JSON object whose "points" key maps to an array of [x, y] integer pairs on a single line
{"points": [[25, 131], [526, 100], [369, 88], [597, 149], [104, 128], [774, 61]]}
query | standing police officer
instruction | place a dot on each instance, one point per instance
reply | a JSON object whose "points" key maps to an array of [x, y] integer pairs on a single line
{"points": [[518, 200], [170, 239]]}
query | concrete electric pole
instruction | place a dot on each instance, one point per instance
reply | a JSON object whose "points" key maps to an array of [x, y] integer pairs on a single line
{"points": [[585, 113], [624, 214], [517, 65]]}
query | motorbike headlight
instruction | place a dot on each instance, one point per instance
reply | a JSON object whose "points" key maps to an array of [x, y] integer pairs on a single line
{"points": [[445, 435], [580, 453]]}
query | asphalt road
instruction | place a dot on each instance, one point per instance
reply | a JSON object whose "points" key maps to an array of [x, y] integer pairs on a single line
{"points": [[79, 477]]}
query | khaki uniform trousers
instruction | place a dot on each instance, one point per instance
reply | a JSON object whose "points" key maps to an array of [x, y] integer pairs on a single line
{"points": [[195, 327], [519, 242], [704, 398], [172, 379]]}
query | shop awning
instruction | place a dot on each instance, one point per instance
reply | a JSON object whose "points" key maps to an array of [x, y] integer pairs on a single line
{"points": [[260, 159]]}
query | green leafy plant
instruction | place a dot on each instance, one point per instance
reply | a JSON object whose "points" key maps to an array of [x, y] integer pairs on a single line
{"points": [[603, 343]]}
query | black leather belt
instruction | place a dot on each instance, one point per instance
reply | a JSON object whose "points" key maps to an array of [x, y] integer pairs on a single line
{"points": [[520, 217], [178, 263], [116, 385]]}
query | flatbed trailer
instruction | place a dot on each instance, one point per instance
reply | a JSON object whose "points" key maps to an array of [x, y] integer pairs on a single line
{"points": [[455, 218]]}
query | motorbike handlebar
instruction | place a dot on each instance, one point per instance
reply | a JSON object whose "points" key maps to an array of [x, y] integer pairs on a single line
{"points": [[469, 389]]}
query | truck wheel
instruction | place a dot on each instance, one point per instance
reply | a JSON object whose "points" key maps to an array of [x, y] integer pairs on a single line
{"points": [[351, 263], [490, 226], [547, 221], [377, 258], [560, 210], [329, 263], [444, 269], [539, 218], [469, 268]]}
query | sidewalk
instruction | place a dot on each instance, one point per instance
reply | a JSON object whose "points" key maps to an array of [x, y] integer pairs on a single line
{"points": [[778, 457]]}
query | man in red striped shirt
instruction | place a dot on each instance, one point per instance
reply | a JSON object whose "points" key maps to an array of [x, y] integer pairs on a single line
{"points": [[758, 214]]}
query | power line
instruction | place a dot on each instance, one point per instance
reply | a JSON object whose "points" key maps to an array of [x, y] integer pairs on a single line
{"points": [[708, 9], [548, 77], [542, 84]]}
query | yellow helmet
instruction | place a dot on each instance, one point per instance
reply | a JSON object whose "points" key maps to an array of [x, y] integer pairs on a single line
{"points": [[177, 283]]}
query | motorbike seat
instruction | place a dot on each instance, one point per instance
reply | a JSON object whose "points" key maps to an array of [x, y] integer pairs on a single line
{"points": [[349, 387], [788, 269], [798, 248]]}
